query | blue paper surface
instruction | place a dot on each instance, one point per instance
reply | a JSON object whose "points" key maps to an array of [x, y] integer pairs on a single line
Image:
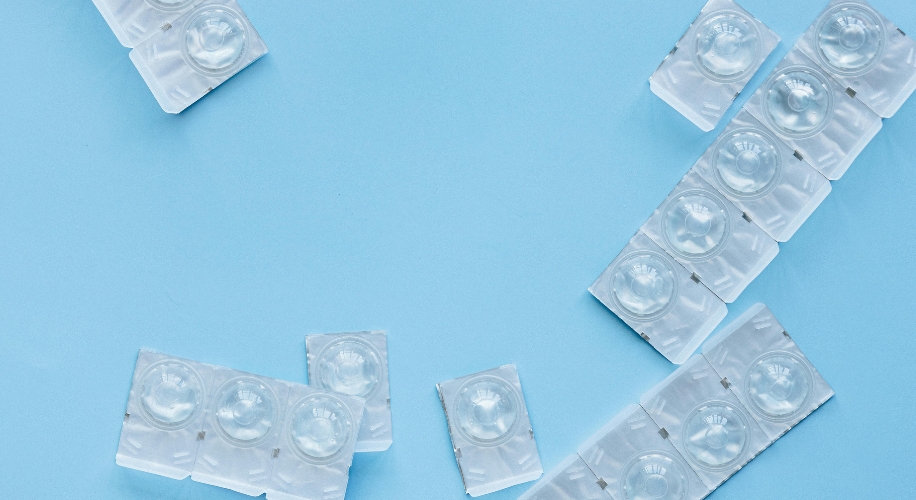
{"points": [[457, 173]]}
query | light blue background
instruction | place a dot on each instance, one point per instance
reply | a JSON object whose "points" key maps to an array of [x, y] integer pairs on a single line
{"points": [[456, 173]]}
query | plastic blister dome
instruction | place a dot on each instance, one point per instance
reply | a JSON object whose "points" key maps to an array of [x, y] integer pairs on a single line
{"points": [[644, 285], [349, 366], [726, 45], [716, 435], [216, 39], [487, 410], [799, 101], [171, 394], [653, 476], [246, 409], [747, 163], [696, 224], [850, 39], [778, 385], [321, 427]]}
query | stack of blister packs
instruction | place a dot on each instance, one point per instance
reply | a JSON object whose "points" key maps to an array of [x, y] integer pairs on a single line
{"points": [[768, 170], [183, 48], [699, 426]]}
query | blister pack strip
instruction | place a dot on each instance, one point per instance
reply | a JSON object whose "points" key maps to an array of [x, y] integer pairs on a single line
{"points": [[133, 21], [355, 364], [570, 480], [490, 430], [237, 430], [713, 62]]}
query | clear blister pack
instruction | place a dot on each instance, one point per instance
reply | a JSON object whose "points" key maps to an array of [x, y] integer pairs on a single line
{"points": [[712, 62], [767, 371], [236, 430], [812, 113], [865, 52], [763, 178], [197, 52], [490, 430], [634, 461], [657, 297], [355, 364], [133, 21], [705, 421], [710, 237], [571, 480]]}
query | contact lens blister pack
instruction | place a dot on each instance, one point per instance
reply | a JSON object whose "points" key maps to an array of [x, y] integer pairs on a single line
{"points": [[657, 297], [814, 115], [761, 175], [705, 421], [712, 62], [571, 480], [865, 52], [767, 371], [236, 430], [196, 53], [490, 430], [240, 431], [133, 21], [634, 461], [710, 237], [355, 364], [165, 415]]}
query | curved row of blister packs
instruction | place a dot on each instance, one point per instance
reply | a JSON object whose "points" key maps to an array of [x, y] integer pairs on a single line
{"points": [[699, 426], [767, 172], [239, 431], [183, 49]]}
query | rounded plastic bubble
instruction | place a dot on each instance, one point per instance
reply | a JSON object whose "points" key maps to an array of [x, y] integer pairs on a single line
{"points": [[799, 101], [696, 224], [487, 410], [171, 394], [716, 435], [170, 5], [644, 285], [245, 410], [654, 476], [778, 385], [850, 39], [349, 366], [747, 163], [726, 46], [321, 426], [216, 39]]}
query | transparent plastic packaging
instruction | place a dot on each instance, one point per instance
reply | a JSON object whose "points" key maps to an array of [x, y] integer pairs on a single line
{"points": [[712, 62], [865, 52], [812, 113], [710, 237], [760, 174], [705, 421], [355, 364], [571, 480], [656, 297], [196, 53], [490, 430], [767, 371], [634, 461], [236, 430], [133, 21]]}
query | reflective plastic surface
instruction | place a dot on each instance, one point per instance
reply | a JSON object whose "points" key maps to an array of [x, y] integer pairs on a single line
{"points": [[171, 394], [799, 101], [747, 163], [349, 366], [778, 385], [216, 40], [644, 285], [487, 410], [245, 410], [321, 426], [695, 224], [726, 46], [654, 475], [716, 435], [850, 39]]}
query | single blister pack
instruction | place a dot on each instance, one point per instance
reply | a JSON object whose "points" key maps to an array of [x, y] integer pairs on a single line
{"points": [[355, 364], [633, 461], [165, 415], [705, 421], [315, 450], [761, 175], [240, 431], [767, 371], [814, 114], [659, 299], [490, 430], [712, 62], [866, 53], [571, 480], [133, 21], [711, 237], [197, 52]]}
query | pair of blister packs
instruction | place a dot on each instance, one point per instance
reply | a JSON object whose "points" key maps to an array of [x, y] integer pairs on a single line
{"points": [[713, 62], [232, 429], [183, 49], [490, 430], [699, 426], [355, 364]]}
